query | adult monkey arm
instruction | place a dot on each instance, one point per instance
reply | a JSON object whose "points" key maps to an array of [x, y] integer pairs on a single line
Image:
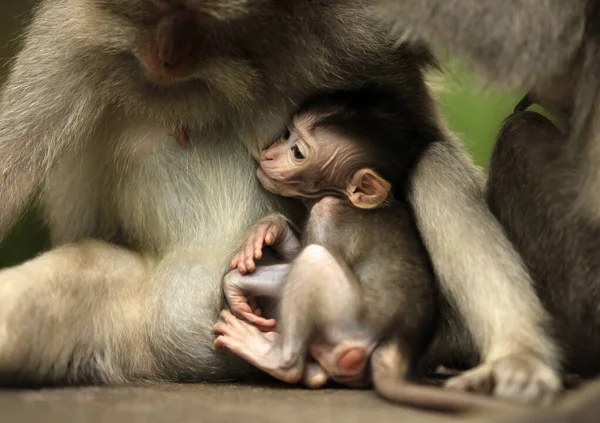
{"points": [[40, 120], [517, 43], [486, 281]]}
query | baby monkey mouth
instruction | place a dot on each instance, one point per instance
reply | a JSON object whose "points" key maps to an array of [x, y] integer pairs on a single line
{"points": [[267, 183]]}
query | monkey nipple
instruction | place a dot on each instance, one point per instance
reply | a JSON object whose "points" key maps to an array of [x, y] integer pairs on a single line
{"points": [[181, 136]]}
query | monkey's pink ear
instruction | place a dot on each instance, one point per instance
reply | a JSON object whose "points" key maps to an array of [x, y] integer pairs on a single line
{"points": [[367, 189]]}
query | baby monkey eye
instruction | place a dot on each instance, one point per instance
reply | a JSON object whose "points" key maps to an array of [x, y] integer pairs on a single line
{"points": [[287, 134], [297, 153]]}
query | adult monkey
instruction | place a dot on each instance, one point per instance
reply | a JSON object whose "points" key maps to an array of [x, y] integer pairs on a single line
{"points": [[544, 182], [96, 114]]}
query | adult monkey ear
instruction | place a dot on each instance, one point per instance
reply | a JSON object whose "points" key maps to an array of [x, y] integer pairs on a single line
{"points": [[367, 189]]}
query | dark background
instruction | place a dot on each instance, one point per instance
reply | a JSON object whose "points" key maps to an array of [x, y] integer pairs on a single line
{"points": [[471, 112]]}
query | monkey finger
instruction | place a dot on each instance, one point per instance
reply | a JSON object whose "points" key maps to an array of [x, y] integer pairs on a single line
{"points": [[250, 265], [242, 268], [258, 247], [259, 232], [272, 234], [249, 251]]}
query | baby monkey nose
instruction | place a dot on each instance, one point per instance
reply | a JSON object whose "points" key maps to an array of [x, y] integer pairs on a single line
{"points": [[266, 155]]}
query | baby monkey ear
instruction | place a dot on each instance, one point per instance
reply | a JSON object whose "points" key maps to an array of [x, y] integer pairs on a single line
{"points": [[367, 189]]}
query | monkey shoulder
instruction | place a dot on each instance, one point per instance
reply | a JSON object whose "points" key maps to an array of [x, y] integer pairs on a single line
{"points": [[365, 236]]}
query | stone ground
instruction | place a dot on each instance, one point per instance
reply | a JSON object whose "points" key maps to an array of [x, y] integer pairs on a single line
{"points": [[203, 403]]}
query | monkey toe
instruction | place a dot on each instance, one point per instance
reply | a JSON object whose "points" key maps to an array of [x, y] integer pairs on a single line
{"points": [[260, 322], [238, 308], [222, 328], [230, 320], [314, 376], [220, 342]]}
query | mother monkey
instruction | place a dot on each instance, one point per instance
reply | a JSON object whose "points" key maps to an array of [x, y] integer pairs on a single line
{"points": [[130, 122]]}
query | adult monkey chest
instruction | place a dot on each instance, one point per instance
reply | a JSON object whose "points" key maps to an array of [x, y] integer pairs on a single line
{"points": [[248, 67]]}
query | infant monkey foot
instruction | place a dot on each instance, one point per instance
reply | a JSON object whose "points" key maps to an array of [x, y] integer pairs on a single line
{"points": [[519, 377], [258, 348], [243, 306], [314, 376]]}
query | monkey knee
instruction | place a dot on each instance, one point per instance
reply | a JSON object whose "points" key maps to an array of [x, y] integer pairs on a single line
{"points": [[528, 143], [20, 301], [524, 132]]}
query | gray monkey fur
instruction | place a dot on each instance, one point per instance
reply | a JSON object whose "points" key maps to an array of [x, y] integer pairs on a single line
{"points": [[97, 154]]}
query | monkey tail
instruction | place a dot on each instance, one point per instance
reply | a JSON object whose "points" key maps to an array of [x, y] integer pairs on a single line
{"points": [[440, 399]]}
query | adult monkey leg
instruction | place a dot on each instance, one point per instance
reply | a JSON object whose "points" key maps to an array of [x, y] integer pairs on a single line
{"points": [[531, 191], [103, 314], [485, 281], [87, 302]]}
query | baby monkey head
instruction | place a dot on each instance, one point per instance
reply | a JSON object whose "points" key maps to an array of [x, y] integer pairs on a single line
{"points": [[353, 144], [313, 161]]}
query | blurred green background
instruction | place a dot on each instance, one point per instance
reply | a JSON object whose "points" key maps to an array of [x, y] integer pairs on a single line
{"points": [[473, 113]]}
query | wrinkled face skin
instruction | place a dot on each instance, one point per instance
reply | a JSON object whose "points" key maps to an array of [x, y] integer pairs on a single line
{"points": [[309, 164]]}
